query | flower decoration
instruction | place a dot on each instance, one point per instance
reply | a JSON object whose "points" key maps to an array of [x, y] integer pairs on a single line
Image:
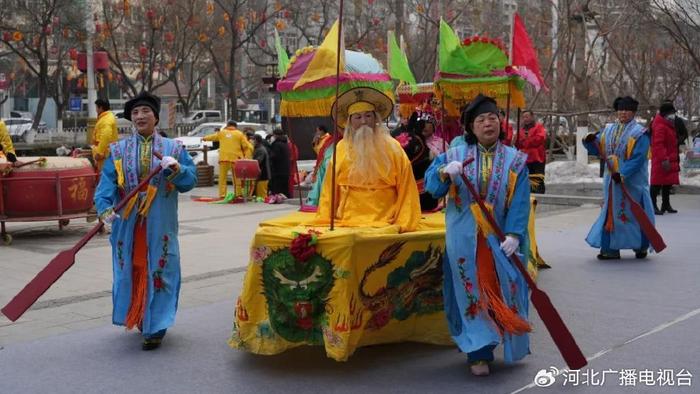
{"points": [[303, 246]]}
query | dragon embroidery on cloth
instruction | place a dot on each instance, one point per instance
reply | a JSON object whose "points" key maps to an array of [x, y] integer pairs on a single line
{"points": [[297, 293], [413, 288]]}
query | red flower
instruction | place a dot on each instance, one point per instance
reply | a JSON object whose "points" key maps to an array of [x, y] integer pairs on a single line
{"points": [[165, 238], [161, 263], [468, 286], [301, 249], [403, 139], [472, 310], [157, 282]]}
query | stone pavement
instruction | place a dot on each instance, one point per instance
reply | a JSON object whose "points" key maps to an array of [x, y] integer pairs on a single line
{"points": [[214, 243], [627, 314]]}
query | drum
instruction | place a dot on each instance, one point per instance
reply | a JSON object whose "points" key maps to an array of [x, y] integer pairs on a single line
{"points": [[246, 169], [59, 186]]}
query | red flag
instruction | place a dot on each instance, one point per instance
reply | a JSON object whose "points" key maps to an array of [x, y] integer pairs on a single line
{"points": [[524, 54]]}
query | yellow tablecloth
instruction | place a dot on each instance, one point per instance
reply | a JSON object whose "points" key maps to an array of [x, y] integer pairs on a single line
{"points": [[361, 286]]}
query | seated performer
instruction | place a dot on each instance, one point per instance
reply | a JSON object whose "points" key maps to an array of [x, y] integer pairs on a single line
{"points": [[486, 299], [374, 185]]}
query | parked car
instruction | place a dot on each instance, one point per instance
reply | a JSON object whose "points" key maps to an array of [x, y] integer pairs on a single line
{"points": [[203, 116], [18, 128], [193, 140], [21, 114]]}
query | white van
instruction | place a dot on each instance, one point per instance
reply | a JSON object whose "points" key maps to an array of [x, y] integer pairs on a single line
{"points": [[201, 116]]}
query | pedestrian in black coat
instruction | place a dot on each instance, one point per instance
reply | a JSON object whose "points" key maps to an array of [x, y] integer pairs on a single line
{"points": [[279, 163]]}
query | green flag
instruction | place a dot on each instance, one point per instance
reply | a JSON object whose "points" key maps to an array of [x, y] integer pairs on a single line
{"points": [[398, 63], [282, 58], [451, 56]]}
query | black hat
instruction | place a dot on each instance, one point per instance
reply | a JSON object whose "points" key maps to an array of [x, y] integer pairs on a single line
{"points": [[480, 105], [102, 103], [667, 108], [626, 103], [143, 98]]}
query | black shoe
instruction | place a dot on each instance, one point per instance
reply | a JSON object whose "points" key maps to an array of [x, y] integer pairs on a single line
{"points": [[669, 209], [609, 256], [151, 344], [658, 211], [640, 254]]}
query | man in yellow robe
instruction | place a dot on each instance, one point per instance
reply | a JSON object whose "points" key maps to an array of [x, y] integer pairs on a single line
{"points": [[104, 134], [7, 150], [233, 145], [374, 184]]}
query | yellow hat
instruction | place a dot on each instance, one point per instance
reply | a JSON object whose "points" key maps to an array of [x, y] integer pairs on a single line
{"points": [[359, 100]]}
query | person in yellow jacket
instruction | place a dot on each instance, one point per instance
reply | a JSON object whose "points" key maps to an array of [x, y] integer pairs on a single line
{"points": [[105, 133], [233, 145], [7, 150]]}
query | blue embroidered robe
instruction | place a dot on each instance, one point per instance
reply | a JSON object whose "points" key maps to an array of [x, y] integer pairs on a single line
{"points": [[314, 195], [508, 193], [628, 150], [162, 227]]}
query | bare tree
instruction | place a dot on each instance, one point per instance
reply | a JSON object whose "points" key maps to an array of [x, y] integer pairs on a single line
{"points": [[30, 34]]}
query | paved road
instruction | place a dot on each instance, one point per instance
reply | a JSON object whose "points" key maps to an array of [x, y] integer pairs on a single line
{"points": [[628, 314]]}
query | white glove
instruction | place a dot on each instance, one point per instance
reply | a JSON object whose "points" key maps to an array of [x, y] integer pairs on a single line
{"points": [[109, 216], [453, 168], [168, 161], [510, 245]]}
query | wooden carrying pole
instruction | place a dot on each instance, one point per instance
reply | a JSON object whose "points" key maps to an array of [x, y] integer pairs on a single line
{"points": [[548, 313]]}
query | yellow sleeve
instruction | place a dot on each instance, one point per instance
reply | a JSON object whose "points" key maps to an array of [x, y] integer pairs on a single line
{"points": [[5, 139], [104, 136], [407, 200], [247, 148], [211, 137]]}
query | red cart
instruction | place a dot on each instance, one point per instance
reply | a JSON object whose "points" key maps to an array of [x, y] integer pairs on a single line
{"points": [[60, 188]]}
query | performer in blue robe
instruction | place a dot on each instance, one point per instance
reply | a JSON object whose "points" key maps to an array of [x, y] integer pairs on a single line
{"points": [[145, 250], [625, 144], [486, 298], [315, 193]]}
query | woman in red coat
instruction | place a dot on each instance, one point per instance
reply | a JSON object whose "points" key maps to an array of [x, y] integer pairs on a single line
{"points": [[664, 157]]}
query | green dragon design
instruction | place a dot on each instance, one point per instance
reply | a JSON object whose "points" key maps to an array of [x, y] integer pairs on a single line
{"points": [[414, 288], [296, 294]]}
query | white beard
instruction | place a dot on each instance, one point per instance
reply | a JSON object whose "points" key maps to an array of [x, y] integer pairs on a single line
{"points": [[368, 153]]}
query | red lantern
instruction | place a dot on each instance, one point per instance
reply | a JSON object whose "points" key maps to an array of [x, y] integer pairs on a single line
{"points": [[73, 53], [143, 51], [150, 14], [169, 36], [101, 60]]}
